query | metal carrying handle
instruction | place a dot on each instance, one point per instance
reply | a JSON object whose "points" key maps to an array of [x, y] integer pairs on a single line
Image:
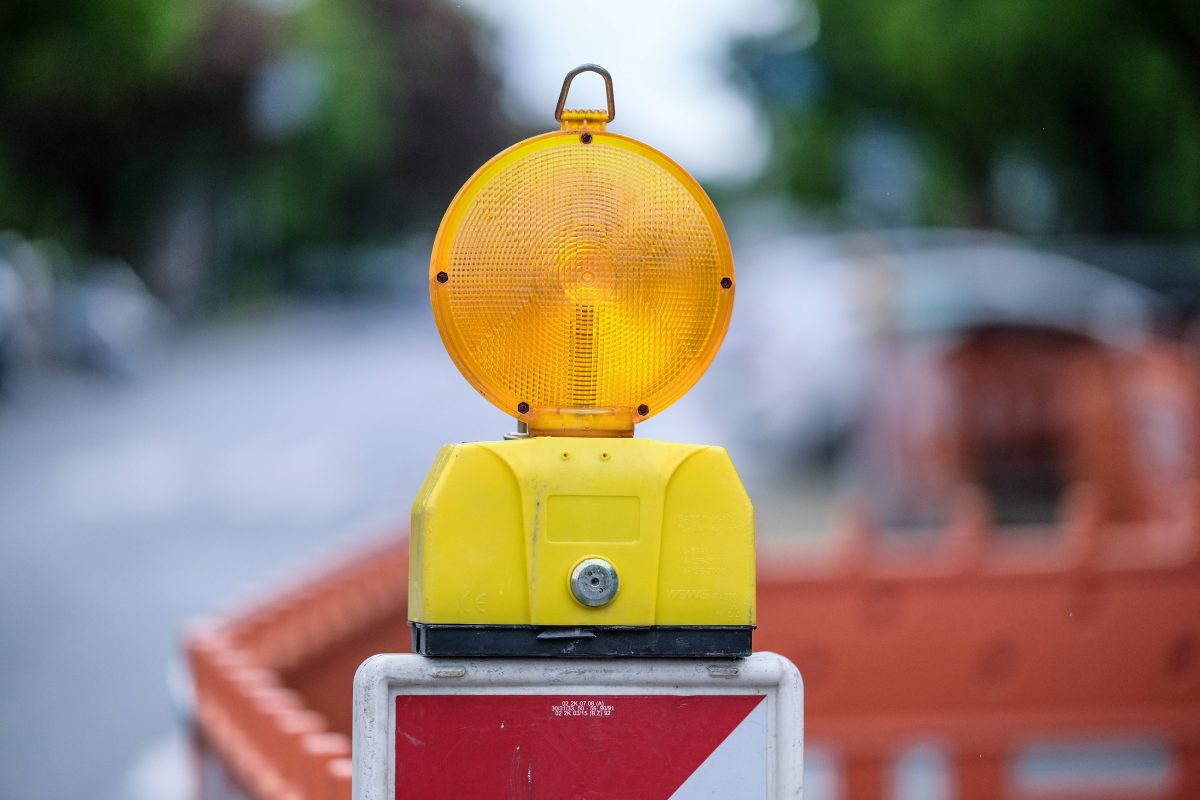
{"points": [[566, 87]]}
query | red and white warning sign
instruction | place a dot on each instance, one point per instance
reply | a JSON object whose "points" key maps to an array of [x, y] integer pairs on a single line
{"points": [[634, 729]]}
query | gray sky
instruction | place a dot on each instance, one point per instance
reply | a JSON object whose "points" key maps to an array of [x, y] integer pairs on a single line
{"points": [[667, 59]]}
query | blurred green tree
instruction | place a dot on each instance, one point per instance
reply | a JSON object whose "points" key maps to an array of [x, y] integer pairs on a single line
{"points": [[1088, 111], [214, 141]]}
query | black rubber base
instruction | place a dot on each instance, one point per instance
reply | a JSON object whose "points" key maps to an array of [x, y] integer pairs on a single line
{"points": [[472, 641]]}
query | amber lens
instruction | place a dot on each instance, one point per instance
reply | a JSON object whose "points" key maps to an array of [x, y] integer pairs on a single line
{"points": [[582, 272]]}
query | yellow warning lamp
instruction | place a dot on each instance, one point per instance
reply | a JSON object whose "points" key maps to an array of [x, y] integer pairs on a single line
{"points": [[582, 282]]}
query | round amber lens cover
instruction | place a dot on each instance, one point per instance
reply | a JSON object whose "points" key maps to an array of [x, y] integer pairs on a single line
{"points": [[582, 280]]}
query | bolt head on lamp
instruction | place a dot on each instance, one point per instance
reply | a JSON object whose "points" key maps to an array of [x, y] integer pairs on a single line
{"points": [[581, 280]]}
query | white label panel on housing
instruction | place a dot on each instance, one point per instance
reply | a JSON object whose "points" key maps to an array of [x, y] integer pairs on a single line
{"points": [[634, 729]]}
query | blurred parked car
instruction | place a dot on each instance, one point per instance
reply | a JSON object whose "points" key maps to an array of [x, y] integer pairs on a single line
{"points": [[916, 363], [26, 288], [109, 322]]}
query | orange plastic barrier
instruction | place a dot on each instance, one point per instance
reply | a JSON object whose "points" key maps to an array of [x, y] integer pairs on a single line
{"points": [[987, 642], [1026, 413], [273, 682], [981, 642]]}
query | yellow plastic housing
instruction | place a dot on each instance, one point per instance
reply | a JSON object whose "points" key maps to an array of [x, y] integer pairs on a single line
{"points": [[498, 527], [582, 282]]}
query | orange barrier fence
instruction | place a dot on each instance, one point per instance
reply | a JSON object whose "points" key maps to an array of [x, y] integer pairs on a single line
{"points": [[273, 682], [989, 641], [984, 641]]}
